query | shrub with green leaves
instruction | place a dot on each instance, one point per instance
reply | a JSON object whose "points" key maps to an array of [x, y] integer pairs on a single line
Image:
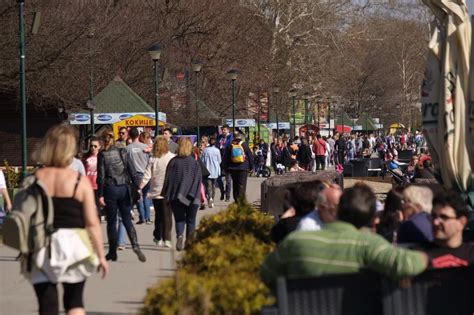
{"points": [[219, 272]]}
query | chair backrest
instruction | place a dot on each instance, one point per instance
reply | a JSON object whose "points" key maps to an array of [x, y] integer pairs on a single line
{"points": [[330, 295], [405, 155], [348, 169], [360, 167], [438, 291], [375, 163]]}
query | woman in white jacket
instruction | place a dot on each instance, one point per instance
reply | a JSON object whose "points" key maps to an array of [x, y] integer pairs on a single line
{"points": [[155, 173]]}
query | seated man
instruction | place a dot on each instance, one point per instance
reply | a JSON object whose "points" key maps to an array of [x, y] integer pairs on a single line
{"points": [[301, 200], [449, 218], [341, 248], [416, 207], [326, 209]]}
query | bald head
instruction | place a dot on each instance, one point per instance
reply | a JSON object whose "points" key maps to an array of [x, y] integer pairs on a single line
{"points": [[328, 203]]}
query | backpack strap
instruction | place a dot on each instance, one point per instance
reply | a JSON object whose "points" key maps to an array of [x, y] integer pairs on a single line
{"points": [[77, 184]]}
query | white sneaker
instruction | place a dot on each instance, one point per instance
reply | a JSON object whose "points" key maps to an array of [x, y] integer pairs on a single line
{"points": [[168, 244], [210, 203], [159, 243]]}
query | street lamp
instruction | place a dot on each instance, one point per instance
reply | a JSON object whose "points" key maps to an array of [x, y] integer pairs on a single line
{"points": [[24, 153], [292, 94], [328, 100], [233, 74], [276, 90], [306, 101], [90, 103], [196, 66], [155, 54]]}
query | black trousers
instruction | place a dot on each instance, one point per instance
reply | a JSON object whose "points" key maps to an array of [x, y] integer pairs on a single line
{"points": [[320, 162], [341, 155], [239, 183], [162, 220], [47, 294]]}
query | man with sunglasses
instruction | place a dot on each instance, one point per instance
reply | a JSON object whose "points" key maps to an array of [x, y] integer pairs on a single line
{"points": [[449, 217], [123, 137]]}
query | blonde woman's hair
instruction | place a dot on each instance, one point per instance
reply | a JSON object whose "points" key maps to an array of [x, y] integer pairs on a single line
{"points": [[108, 139], [58, 147], [185, 147], [160, 147]]}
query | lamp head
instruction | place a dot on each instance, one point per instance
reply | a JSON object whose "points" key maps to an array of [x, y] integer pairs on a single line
{"points": [[196, 65], [155, 52], [233, 74]]}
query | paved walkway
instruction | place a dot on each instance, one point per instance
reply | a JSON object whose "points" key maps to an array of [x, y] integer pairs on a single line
{"points": [[122, 292]]}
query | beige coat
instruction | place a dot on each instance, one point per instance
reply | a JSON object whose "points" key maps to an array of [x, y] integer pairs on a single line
{"points": [[155, 174]]}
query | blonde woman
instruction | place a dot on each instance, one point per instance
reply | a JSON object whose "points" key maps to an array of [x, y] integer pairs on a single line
{"points": [[114, 175], [74, 214], [182, 189], [155, 174]]}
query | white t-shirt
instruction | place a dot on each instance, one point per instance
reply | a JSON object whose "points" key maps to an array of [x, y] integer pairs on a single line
{"points": [[3, 184], [310, 222]]}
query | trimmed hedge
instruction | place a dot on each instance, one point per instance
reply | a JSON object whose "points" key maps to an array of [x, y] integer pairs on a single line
{"points": [[219, 272]]}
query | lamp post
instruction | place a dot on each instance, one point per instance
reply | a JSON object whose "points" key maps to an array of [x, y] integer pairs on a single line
{"points": [[90, 103], [24, 153], [276, 90], [155, 54], [196, 66], [306, 101], [233, 74], [292, 94], [328, 100]]}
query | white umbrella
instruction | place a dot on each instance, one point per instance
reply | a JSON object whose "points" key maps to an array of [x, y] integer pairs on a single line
{"points": [[445, 93]]}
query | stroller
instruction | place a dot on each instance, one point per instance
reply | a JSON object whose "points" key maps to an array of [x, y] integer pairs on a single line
{"points": [[261, 169]]}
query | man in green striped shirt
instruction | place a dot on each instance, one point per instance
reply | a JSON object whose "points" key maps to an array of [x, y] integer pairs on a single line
{"points": [[341, 248]]}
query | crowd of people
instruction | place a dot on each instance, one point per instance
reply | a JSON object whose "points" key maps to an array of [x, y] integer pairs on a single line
{"points": [[324, 231], [120, 173], [330, 231], [316, 152]]}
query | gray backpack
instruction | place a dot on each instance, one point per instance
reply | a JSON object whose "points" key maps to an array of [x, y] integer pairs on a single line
{"points": [[29, 226]]}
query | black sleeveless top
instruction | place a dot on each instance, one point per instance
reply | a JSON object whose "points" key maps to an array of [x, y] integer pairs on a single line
{"points": [[68, 211]]}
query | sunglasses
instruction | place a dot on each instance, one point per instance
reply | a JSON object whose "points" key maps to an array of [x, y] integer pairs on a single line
{"points": [[94, 146], [122, 133], [442, 217]]}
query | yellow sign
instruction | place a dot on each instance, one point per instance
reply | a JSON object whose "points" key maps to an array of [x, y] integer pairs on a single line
{"points": [[135, 121]]}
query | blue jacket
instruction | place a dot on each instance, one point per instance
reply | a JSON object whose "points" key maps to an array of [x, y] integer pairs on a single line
{"points": [[211, 157]]}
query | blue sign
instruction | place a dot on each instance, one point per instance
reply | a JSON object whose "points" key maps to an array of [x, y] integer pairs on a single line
{"points": [[104, 117], [282, 125], [125, 116], [81, 117], [241, 122]]}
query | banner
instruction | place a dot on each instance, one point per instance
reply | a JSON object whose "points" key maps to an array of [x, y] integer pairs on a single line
{"points": [[108, 118]]}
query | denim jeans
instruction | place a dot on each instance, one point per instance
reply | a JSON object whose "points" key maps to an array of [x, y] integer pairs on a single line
{"points": [[184, 217], [117, 199], [121, 231], [228, 184], [144, 204]]}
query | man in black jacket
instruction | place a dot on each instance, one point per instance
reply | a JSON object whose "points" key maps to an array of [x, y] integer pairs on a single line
{"points": [[238, 161]]}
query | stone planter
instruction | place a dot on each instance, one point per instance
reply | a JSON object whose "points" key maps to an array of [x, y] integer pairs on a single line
{"points": [[273, 190]]}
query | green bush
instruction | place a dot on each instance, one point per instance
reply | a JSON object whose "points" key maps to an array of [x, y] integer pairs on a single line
{"points": [[219, 272]]}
